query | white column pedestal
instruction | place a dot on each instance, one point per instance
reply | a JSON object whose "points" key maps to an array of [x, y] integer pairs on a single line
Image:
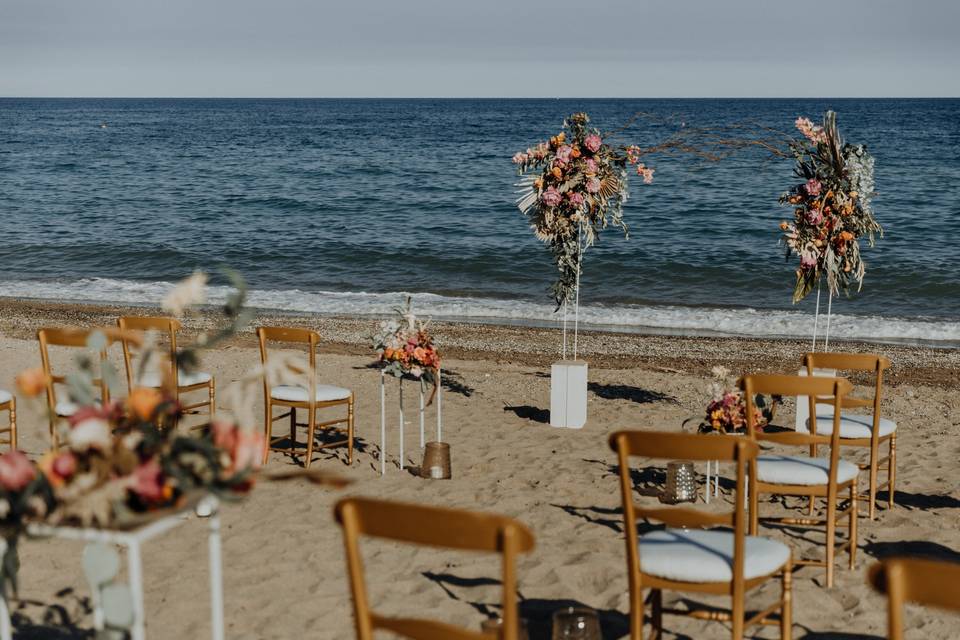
{"points": [[568, 394]]}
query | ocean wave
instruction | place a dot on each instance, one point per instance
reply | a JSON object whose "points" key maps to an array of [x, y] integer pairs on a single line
{"points": [[669, 319]]}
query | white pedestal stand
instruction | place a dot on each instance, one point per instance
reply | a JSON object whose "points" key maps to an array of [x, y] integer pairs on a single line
{"points": [[133, 540], [383, 418], [568, 394]]}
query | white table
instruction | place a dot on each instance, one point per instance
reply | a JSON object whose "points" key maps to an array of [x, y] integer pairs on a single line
{"points": [[132, 541], [383, 417]]}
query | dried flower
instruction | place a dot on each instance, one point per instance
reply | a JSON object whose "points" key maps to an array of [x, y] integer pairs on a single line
{"points": [[189, 292]]}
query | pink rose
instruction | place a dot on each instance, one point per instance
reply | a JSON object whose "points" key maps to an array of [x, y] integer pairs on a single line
{"points": [[593, 185], [16, 471], [551, 197], [592, 143], [563, 153], [812, 187], [576, 198], [147, 481], [64, 465], [814, 216], [808, 261], [590, 165]]}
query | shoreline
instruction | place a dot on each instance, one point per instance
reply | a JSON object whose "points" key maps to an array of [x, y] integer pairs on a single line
{"points": [[520, 344]]}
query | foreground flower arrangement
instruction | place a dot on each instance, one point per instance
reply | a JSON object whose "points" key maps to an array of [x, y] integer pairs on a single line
{"points": [[832, 208], [578, 188], [727, 410], [123, 460], [405, 347]]}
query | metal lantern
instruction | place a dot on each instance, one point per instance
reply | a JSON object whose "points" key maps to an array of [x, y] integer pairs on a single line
{"points": [[436, 461], [681, 483]]}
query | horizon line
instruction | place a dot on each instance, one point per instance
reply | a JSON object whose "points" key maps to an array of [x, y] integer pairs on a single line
{"points": [[186, 97]]}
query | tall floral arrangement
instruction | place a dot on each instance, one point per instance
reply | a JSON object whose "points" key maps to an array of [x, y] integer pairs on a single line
{"points": [[573, 187], [831, 208], [727, 410], [405, 347]]}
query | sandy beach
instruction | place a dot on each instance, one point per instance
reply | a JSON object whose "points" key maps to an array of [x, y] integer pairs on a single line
{"points": [[284, 567]]}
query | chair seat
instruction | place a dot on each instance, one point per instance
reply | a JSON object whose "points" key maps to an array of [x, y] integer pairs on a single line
{"points": [[852, 425], [802, 470], [325, 393], [5, 396], [154, 379], [697, 555], [65, 408]]}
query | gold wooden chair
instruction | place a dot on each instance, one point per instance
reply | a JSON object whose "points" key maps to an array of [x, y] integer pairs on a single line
{"points": [[181, 382], [920, 580], [435, 527], [312, 397], [687, 556], [861, 430], [59, 408], [8, 402], [805, 476]]}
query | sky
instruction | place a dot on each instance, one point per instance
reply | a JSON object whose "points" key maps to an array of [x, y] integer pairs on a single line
{"points": [[480, 48]]}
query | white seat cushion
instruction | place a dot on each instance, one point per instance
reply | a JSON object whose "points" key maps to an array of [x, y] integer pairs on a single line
{"points": [[852, 425], [697, 555], [802, 470], [5, 396], [325, 393], [154, 379], [65, 408]]}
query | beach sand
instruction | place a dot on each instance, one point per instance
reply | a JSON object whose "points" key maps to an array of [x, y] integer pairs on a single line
{"points": [[284, 567]]}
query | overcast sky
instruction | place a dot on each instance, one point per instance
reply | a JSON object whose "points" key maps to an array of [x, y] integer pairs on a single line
{"points": [[511, 48]]}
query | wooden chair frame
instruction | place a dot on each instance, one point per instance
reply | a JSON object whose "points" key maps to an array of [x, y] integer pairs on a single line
{"points": [[169, 327], [73, 338], [11, 429], [877, 364], [920, 580], [742, 452], [311, 339], [815, 387], [435, 527]]}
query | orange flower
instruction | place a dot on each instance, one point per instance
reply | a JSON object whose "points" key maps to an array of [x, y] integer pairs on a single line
{"points": [[784, 226], [794, 200], [32, 382], [557, 172], [538, 183], [846, 236], [561, 136], [575, 152], [854, 194], [143, 402]]}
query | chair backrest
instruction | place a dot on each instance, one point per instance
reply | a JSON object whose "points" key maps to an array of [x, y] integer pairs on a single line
{"points": [[683, 446], [435, 527], [869, 362], [920, 580], [130, 325], [290, 335]]}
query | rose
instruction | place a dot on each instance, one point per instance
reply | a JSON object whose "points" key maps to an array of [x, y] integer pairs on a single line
{"points": [[814, 216], [576, 198], [92, 433], [16, 471], [812, 187], [551, 197], [590, 166], [593, 185], [592, 143], [564, 153], [147, 481], [808, 260]]}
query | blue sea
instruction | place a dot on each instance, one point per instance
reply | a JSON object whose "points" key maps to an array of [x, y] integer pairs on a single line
{"points": [[341, 206]]}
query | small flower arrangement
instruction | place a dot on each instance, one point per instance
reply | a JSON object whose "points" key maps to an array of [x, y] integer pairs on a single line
{"points": [[579, 186], [831, 208], [727, 410], [405, 347]]}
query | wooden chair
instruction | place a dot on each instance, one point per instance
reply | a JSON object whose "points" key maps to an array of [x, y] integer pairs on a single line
{"points": [[312, 397], [8, 403], [436, 527], [920, 580], [62, 408], [861, 430], [686, 556], [178, 381], [804, 475]]}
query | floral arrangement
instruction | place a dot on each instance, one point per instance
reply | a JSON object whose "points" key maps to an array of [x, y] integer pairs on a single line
{"points": [[832, 209], [577, 187], [727, 410], [405, 347], [122, 459]]}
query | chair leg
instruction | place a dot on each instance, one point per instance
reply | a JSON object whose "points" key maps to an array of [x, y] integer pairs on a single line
{"points": [[311, 428], [854, 515], [831, 538], [293, 427], [736, 616], [786, 608], [873, 484], [636, 613], [656, 597], [212, 390], [13, 424], [892, 470], [267, 429], [813, 501], [350, 431]]}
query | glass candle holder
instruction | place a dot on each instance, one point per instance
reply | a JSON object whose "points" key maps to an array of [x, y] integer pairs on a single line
{"points": [[576, 623]]}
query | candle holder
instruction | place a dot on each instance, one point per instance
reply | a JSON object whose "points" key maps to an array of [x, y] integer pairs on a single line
{"points": [[681, 483], [436, 461]]}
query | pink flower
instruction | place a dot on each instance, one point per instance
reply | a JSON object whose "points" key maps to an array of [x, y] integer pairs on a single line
{"points": [[808, 260], [248, 453], [590, 166], [814, 216], [810, 131], [147, 481], [592, 143], [646, 172], [576, 198], [551, 197], [519, 157], [16, 471], [593, 185], [64, 465], [812, 187], [563, 153]]}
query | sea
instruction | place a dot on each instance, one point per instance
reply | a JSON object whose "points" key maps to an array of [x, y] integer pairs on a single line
{"points": [[346, 206]]}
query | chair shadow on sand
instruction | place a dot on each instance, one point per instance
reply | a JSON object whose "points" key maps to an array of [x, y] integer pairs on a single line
{"points": [[536, 611], [57, 621], [529, 412], [626, 392]]}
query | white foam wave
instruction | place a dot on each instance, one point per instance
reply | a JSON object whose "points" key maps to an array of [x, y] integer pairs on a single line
{"points": [[640, 318]]}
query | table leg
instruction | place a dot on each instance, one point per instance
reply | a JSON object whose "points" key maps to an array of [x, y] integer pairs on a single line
{"points": [[135, 570], [216, 579]]}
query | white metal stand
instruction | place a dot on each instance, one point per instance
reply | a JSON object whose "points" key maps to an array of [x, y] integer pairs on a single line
{"points": [[133, 540], [383, 417], [6, 629], [715, 488]]}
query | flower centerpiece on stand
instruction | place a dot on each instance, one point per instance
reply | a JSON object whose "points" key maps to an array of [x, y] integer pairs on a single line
{"points": [[405, 347], [727, 410]]}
